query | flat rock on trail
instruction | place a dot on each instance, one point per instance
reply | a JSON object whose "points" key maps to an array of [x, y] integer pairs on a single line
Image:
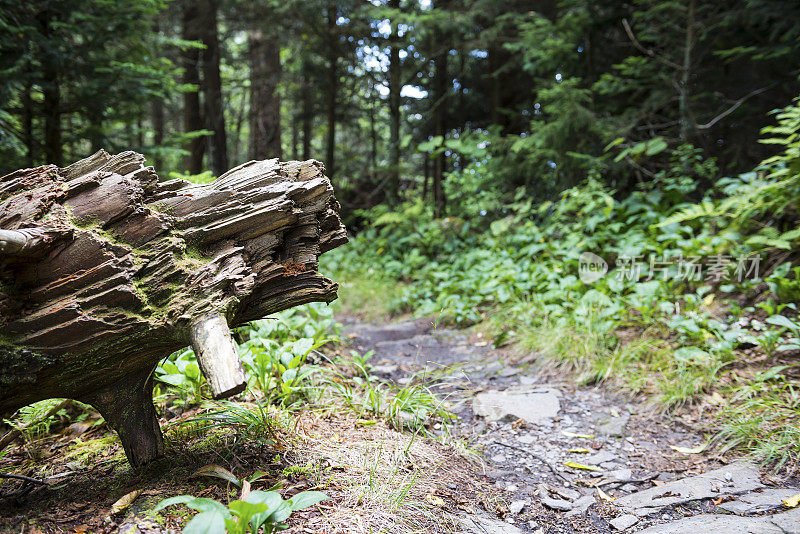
{"points": [[573, 459]]}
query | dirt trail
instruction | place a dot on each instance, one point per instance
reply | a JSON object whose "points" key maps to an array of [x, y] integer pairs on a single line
{"points": [[530, 425]]}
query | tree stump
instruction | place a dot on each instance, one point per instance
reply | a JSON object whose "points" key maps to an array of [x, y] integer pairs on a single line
{"points": [[105, 270]]}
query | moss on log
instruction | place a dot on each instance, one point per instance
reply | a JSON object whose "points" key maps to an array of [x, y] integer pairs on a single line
{"points": [[105, 270]]}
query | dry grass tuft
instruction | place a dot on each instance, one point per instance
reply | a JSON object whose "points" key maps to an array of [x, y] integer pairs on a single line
{"points": [[381, 480]]}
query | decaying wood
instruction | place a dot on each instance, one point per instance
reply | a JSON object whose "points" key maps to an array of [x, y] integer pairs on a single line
{"points": [[216, 353], [105, 270]]}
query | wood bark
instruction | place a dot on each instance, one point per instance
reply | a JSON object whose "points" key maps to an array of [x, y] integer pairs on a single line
{"points": [[51, 91], [395, 84], [217, 355], [265, 104], [192, 114], [212, 87], [104, 271], [333, 88], [307, 111]]}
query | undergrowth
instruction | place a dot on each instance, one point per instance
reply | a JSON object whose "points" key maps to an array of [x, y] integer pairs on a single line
{"points": [[647, 290]]}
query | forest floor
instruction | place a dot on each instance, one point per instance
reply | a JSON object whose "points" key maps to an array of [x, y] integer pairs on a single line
{"points": [[528, 452], [577, 459]]}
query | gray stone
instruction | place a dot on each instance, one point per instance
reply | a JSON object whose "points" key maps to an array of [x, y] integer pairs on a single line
{"points": [[744, 478], [509, 371], [624, 521], [784, 523], [566, 493], [517, 506], [527, 439], [600, 458], [581, 505], [556, 504], [501, 405], [612, 426], [482, 524], [757, 502], [618, 475]]}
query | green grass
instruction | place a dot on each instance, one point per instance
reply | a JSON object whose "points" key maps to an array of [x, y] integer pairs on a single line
{"points": [[368, 296], [763, 417]]}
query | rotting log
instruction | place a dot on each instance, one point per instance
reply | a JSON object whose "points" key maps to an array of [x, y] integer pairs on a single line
{"points": [[105, 270]]}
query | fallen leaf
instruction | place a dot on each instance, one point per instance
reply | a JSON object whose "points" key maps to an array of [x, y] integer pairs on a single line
{"points": [[580, 450], [367, 422], [434, 500], [245, 491], [124, 502], [690, 450], [576, 465], [481, 343], [217, 471], [792, 502], [574, 435], [603, 495]]}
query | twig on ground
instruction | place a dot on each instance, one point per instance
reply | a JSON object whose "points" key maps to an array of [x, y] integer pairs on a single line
{"points": [[26, 479]]}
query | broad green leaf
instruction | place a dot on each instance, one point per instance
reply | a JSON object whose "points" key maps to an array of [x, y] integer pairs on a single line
{"points": [[180, 499], [304, 499], [217, 471], [206, 523]]}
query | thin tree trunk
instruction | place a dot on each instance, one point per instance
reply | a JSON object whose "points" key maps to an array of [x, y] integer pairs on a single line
{"points": [[140, 131], [395, 82], [373, 153], [237, 136], [27, 124], [265, 104], [212, 87], [440, 129], [685, 113], [295, 136], [158, 131], [333, 77], [51, 105], [426, 169], [157, 115], [192, 114], [306, 96]]}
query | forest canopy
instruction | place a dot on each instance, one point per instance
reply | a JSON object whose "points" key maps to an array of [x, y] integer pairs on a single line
{"points": [[396, 96]]}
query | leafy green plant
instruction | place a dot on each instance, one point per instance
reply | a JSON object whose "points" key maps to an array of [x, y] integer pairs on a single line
{"points": [[182, 372], [256, 510], [251, 421], [279, 370]]}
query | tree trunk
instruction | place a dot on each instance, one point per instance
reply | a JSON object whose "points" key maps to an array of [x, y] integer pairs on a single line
{"points": [[192, 114], [237, 133], [158, 130], [212, 87], [307, 112], [333, 78], [295, 137], [104, 271], [439, 118], [395, 83], [27, 124], [441, 83], [51, 89], [265, 105], [373, 135], [686, 120]]}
